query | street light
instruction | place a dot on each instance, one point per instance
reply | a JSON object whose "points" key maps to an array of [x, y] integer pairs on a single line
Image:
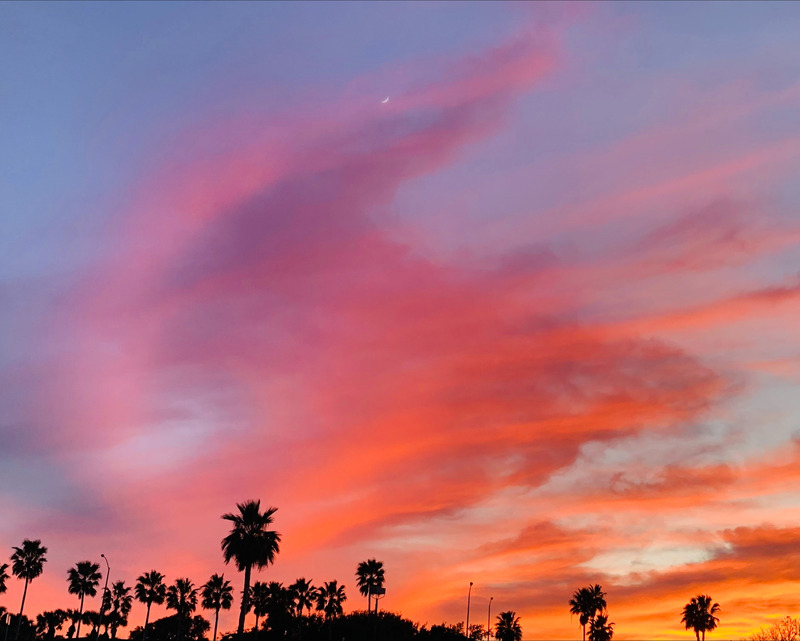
{"points": [[489, 620], [469, 594], [103, 598]]}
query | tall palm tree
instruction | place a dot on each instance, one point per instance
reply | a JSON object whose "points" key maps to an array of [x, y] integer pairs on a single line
{"points": [[303, 593], [250, 543], [217, 594], [259, 601], [579, 604], [27, 562], [83, 579], [370, 575], [182, 597], [508, 627], [699, 615], [601, 629], [150, 589]]}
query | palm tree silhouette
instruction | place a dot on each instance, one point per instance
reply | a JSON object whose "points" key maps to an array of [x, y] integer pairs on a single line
{"points": [[601, 629], [370, 575], [259, 601], [329, 601], [182, 597], [698, 615], [217, 594], [508, 627], [250, 543], [150, 589], [303, 593], [3, 577], [27, 562], [92, 618], [83, 579], [118, 601], [48, 622], [586, 603]]}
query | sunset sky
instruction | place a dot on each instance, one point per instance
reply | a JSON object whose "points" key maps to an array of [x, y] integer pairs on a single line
{"points": [[531, 323]]}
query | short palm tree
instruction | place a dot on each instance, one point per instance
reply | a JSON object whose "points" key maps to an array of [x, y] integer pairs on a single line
{"points": [[303, 593], [216, 594], [83, 580], [92, 618], [601, 629], [370, 575], [72, 616], [117, 601], [259, 601], [330, 598], [699, 615], [150, 589], [48, 622], [182, 597], [508, 627], [250, 543], [586, 603], [27, 562]]}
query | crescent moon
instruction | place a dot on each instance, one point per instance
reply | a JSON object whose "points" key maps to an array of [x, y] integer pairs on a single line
{"points": [[385, 100]]}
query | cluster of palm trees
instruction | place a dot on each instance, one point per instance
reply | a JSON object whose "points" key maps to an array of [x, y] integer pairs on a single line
{"points": [[250, 543], [589, 604]]}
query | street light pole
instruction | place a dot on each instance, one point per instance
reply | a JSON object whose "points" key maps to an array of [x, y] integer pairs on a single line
{"points": [[469, 595], [489, 620], [103, 598]]}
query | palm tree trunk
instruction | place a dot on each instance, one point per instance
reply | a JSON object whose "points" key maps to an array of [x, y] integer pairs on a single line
{"points": [[146, 619], [584, 632], [21, 607], [245, 602], [216, 621]]}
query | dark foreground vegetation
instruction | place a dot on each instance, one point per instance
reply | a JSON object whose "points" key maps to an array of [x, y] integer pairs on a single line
{"points": [[300, 611]]}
